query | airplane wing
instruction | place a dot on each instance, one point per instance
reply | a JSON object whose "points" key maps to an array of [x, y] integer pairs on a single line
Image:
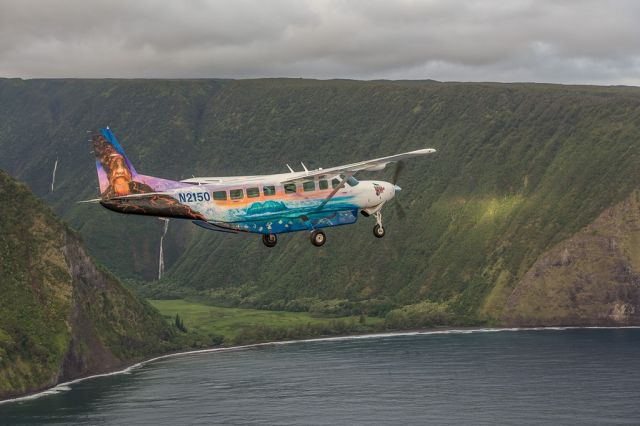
{"points": [[369, 165]]}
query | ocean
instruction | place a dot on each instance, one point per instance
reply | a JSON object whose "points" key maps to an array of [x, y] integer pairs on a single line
{"points": [[474, 377]]}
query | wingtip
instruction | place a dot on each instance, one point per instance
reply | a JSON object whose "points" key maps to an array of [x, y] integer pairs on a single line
{"points": [[425, 151]]}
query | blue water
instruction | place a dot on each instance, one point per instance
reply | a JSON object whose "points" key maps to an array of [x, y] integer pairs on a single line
{"points": [[587, 376]]}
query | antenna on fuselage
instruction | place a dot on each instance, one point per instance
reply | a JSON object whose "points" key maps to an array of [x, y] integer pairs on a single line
{"points": [[290, 169]]}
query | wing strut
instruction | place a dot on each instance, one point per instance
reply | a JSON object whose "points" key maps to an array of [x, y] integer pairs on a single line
{"points": [[344, 178]]}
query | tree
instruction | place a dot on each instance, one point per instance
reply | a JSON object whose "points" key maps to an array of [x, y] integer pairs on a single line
{"points": [[179, 324]]}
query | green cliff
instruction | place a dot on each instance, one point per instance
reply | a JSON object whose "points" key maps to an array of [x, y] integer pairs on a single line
{"points": [[61, 317], [591, 278], [520, 168]]}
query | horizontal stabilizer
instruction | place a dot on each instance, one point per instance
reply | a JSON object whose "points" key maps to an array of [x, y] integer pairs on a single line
{"points": [[140, 196]]}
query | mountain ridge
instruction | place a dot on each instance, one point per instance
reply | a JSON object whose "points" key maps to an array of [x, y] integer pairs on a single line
{"points": [[520, 167]]}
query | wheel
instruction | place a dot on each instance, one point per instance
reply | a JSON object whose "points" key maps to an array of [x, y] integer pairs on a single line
{"points": [[378, 231], [269, 240], [318, 238]]}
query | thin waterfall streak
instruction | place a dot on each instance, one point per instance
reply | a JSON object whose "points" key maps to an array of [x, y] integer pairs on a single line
{"points": [[53, 178], [161, 260]]}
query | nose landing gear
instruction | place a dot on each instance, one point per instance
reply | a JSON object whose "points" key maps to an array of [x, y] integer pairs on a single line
{"points": [[378, 230]]}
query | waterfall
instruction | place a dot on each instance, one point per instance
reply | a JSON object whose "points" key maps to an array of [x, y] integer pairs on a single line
{"points": [[53, 179], [161, 260]]}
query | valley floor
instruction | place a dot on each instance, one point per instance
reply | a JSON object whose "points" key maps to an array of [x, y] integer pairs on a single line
{"points": [[240, 326]]}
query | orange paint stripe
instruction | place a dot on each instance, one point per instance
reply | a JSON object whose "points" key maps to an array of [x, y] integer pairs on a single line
{"points": [[279, 196]]}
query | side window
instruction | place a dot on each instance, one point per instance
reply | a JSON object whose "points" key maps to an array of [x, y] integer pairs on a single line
{"points": [[323, 184], [253, 192], [335, 182], [220, 195], [236, 194], [289, 188], [309, 186], [269, 191]]}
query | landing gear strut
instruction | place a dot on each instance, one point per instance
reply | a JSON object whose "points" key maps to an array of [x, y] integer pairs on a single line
{"points": [[318, 238], [378, 230], [269, 240]]}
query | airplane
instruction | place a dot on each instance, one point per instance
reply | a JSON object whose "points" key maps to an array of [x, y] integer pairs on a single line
{"points": [[269, 205]]}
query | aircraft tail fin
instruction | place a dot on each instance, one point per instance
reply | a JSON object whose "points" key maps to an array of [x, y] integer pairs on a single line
{"points": [[111, 161], [116, 174]]}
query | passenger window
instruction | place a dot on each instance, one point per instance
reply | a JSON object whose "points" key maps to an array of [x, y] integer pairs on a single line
{"points": [[253, 192], [269, 190], [220, 195], [289, 188], [335, 182], [236, 194], [323, 184], [309, 186]]}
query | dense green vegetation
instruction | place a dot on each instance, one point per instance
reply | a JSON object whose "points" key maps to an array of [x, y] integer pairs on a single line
{"points": [[239, 326], [36, 296], [520, 167], [60, 316]]}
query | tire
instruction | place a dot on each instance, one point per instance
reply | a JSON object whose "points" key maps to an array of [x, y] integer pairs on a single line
{"points": [[270, 240], [318, 238], [378, 231]]}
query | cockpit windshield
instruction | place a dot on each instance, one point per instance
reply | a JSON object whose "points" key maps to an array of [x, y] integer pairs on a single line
{"points": [[351, 181]]}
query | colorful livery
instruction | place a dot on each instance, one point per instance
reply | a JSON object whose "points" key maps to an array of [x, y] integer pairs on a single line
{"points": [[267, 204]]}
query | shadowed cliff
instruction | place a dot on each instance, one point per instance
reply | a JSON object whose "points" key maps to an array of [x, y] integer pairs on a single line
{"points": [[61, 316]]}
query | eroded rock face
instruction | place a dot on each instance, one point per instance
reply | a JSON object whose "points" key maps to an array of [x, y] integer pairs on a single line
{"points": [[61, 316], [86, 352], [593, 278]]}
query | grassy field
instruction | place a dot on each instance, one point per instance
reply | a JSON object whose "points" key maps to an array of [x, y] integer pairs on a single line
{"points": [[239, 325]]}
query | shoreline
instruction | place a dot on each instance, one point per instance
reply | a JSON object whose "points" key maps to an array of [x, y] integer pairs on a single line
{"points": [[66, 386]]}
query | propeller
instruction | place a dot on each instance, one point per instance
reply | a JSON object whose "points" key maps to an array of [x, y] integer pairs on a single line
{"points": [[397, 171], [396, 175]]}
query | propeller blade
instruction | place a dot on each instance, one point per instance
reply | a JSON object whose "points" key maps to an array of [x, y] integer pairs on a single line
{"points": [[394, 180], [396, 173]]}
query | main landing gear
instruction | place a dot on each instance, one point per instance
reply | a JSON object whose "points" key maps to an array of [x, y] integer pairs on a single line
{"points": [[270, 240], [378, 230], [318, 238]]}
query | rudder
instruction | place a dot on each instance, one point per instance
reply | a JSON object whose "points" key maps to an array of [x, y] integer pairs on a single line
{"points": [[115, 171], [116, 174]]}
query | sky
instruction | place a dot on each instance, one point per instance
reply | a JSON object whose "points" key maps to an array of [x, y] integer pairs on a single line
{"points": [[553, 41]]}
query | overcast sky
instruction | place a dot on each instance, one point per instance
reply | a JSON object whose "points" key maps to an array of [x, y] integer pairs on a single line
{"points": [[570, 41]]}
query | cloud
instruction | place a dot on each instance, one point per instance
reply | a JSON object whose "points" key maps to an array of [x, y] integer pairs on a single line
{"points": [[570, 41]]}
